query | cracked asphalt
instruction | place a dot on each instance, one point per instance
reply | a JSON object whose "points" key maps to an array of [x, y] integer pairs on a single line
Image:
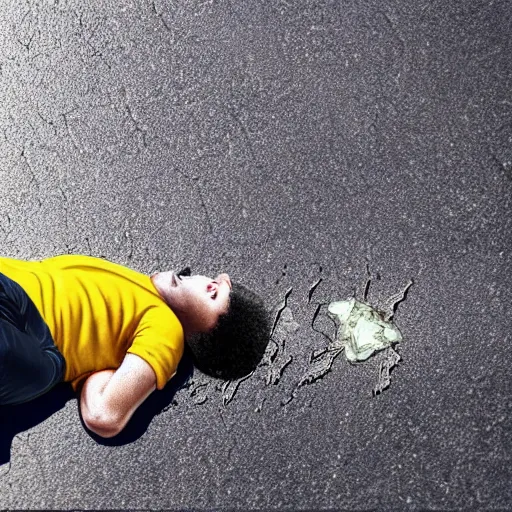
{"points": [[281, 142]]}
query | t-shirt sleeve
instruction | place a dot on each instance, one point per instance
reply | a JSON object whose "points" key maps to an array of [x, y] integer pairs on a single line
{"points": [[159, 340]]}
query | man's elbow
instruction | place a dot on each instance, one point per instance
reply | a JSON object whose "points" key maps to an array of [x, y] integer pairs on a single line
{"points": [[104, 425]]}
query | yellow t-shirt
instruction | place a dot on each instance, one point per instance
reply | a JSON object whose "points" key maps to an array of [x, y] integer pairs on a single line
{"points": [[97, 311]]}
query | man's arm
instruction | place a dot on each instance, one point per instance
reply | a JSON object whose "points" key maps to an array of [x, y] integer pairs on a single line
{"points": [[110, 397]]}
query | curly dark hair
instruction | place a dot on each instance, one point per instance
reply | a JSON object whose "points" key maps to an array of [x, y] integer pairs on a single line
{"points": [[235, 346]]}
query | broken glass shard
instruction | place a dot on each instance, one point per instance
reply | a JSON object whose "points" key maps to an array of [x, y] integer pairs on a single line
{"points": [[391, 359], [362, 330]]}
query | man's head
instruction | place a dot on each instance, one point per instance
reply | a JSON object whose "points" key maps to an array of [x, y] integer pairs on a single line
{"points": [[197, 301], [226, 326]]}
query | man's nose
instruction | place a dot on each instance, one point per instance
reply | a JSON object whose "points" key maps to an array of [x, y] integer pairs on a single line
{"points": [[225, 277]]}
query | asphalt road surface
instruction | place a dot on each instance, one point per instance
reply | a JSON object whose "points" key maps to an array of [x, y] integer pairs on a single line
{"points": [[282, 142]]}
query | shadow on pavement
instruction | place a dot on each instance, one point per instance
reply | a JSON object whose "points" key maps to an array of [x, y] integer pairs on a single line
{"points": [[15, 419]]}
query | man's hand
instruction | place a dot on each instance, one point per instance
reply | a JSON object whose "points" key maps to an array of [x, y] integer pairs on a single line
{"points": [[110, 397]]}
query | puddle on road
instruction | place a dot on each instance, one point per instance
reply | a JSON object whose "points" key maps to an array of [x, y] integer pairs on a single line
{"points": [[360, 330]]}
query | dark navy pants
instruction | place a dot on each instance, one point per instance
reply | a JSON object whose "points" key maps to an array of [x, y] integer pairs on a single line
{"points": [[30, 362]]}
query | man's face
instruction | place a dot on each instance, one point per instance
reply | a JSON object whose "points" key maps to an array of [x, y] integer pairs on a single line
{"points": [[197, 301]]}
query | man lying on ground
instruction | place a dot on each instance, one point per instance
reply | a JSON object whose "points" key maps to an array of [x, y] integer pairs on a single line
{"points": [[117, 334]]}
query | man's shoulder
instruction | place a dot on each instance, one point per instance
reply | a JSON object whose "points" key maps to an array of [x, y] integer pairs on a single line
{"points": [[159, 317]]}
